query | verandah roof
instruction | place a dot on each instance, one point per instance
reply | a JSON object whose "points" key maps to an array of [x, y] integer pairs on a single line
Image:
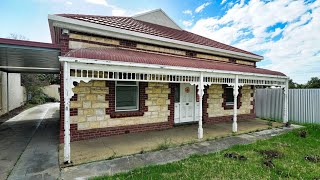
{"points": [[137, 56], [28, 56]]}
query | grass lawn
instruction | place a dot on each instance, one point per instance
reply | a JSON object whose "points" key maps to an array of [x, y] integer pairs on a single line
{"points": [[284, 159]]}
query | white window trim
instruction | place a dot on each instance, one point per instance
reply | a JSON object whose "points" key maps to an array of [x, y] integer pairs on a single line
{"points": [[115, 96]]}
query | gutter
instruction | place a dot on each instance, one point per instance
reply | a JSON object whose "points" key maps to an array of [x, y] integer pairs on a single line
{"points": [[82, 26]]}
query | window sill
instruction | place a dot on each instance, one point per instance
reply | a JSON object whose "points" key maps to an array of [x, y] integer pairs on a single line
{"points": [[121, 114]]}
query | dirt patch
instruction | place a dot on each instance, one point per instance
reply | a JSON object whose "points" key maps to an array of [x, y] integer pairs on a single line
{"points": [[269, 154], [236, 156], [268, 163], [312, 158], [287, 124], [302, 133]]}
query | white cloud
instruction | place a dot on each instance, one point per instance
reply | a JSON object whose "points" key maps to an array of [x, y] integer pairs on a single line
{"points": [[200, 8], [187, 11], [99, 2], [69, 3], [187, 23], [223, 1], [251, 26]]}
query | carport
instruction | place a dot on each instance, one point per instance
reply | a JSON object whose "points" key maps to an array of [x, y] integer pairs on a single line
{"points": [[20, 136], [19, 56]]}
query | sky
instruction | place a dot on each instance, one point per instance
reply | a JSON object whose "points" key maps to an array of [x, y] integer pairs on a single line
{"points": [[285, 32]]}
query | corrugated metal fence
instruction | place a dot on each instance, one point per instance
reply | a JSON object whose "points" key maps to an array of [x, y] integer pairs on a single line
{"points": [[304, 104]]}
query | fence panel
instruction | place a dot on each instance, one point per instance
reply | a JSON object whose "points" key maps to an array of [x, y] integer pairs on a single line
{"points": [[304, 104]]}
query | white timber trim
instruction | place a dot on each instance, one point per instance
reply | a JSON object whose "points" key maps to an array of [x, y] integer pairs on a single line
{"points": [[235, 104], [286, 102], [92, 28], [67, 91], [200, 93], [207, 72]]}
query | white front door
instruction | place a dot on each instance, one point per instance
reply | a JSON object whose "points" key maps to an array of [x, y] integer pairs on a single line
{"points": [[187, 99]]}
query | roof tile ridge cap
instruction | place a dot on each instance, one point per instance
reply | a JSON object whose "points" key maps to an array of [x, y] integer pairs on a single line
{"points": [[149, 23], [180, 56], [89, 15]]}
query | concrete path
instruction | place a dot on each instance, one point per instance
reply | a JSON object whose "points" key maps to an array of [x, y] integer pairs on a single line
{"points": [[123, 164], [28, 144]]}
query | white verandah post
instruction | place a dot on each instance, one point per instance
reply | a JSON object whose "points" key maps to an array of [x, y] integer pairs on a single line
{"points": [[66, 90], [200, 93], [235, 104], [286, 101]]}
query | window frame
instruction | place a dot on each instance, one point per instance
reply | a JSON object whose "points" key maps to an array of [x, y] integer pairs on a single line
{"points": [[137, 100], [230, 103]]}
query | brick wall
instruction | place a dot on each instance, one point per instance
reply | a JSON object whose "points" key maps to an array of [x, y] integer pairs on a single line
{"points": [[88, 120], [214, 99]]}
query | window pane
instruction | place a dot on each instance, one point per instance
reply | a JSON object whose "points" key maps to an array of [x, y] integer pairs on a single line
{"points": [[177, 94], [229, 95], [126, 97], [126, 83]]}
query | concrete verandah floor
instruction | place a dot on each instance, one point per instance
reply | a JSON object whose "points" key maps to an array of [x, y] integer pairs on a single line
{"points": [[127, 144]]}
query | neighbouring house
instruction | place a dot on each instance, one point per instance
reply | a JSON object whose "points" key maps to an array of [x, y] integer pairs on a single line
{"points": [[130, 74]]}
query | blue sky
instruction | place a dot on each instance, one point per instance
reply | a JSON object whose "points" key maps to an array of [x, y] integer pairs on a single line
{"points": [[285, 32]]}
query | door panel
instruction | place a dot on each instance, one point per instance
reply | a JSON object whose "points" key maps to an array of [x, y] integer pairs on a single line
{"points": [[187, 98]]}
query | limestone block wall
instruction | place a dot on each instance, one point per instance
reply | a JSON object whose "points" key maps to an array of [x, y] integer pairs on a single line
{"points": [[215, 100], [88, 109]]}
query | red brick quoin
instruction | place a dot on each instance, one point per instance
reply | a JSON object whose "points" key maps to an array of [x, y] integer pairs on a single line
{"points": [[77, 135]]}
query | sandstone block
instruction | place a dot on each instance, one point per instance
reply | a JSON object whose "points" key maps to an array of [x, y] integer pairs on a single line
{"points": [[86, 104], [88, 112], [94, 124], [166, 91], [100, 90], [98, 104], [84, 84], [100, 111], [75, 104], [99, 83], [83, 126]]}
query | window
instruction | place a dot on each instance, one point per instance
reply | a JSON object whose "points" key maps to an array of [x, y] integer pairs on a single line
{"points": [[229, 96], [177, 94], [127, 96]]}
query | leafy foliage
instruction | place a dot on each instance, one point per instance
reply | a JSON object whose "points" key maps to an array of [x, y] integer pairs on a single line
{"points": [[314, 82]]}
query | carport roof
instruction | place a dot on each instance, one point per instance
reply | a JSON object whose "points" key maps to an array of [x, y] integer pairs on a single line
{"points": [[18, 56]]}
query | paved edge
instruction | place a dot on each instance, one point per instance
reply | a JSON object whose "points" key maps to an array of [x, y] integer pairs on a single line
{"points": [[127, 163]]}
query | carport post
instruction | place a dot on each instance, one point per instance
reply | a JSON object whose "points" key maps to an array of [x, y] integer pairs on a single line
{"points": [[286, 102], [200, 93], [66, 90], [235, 104]]}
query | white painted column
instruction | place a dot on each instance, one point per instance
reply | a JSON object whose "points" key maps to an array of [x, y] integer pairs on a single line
{"points": [[286, 101], [200, 93], [235, 104], [66, 90]]}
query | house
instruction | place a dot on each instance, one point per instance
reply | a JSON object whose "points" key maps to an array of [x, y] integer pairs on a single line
{"points": [[142, 73]]}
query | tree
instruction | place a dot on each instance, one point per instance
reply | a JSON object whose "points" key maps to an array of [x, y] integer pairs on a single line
{"points": [[314, 82]]}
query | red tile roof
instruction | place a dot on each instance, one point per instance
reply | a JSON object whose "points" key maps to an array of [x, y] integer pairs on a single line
{"points": [[135, 56], [131, 24]]}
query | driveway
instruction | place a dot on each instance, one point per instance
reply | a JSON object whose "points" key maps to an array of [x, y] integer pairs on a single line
{"points": [[29, 144]]}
